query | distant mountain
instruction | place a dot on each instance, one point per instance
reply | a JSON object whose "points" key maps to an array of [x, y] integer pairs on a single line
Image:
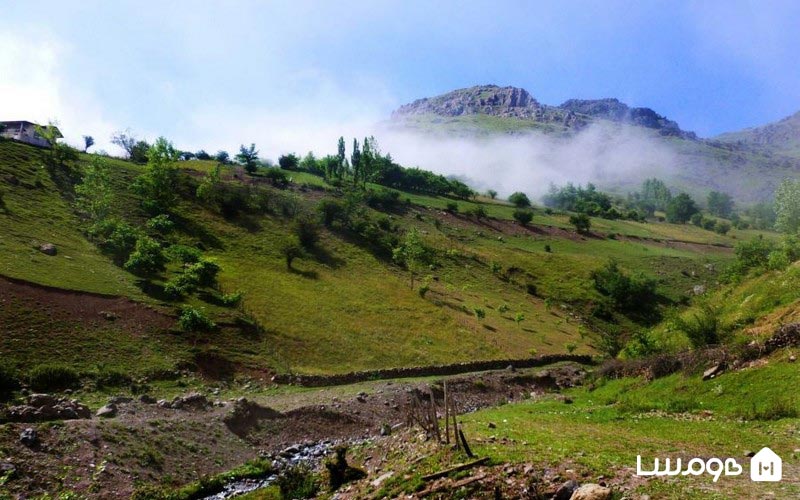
{"points": [[780, 137], [748, 164], [514, 102]]}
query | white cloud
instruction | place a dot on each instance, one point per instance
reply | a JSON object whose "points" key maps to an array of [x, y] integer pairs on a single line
{"points": [[32, 87]]}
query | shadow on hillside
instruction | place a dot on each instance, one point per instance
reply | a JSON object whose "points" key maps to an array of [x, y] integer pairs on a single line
{"points": [[153, 290], [197, 230], [312, 275], [325, 257]]}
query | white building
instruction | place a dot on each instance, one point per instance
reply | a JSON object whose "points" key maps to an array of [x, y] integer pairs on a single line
{"points": [[26, 132]]}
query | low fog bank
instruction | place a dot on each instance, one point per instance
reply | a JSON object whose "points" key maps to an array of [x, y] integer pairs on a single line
{"points": [[604, 154]]}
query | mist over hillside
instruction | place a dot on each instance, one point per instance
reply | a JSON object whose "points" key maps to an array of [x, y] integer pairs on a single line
{"points": [[503, 138]]}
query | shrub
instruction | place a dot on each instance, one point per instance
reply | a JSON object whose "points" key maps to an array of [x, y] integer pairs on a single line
{"points": [[307, 232], [291, 250], [709, 224], [703, 328], [477, 211], [530, 288], [231, 299], [479, 313], [524, 217], [205, 272], [571, 346], [722, 227], [452, 207], [110, 377], [297, 482], [423, 290], [519, 200], [115, 237], [161, 224], [697, 219], [53, 377], [582, 222], [503, 308], [495, 267], [331, 211], [385, 199], [277, 177], [194, 320], [185, 254], [753, 254], [635, 294], [548, 249], [147, 257]]}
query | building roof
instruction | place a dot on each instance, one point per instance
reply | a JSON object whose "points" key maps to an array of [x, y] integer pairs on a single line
{"points": [[10, 123]]}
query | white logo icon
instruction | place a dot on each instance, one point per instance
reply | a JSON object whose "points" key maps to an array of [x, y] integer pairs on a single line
{"points": [[766, 465]]}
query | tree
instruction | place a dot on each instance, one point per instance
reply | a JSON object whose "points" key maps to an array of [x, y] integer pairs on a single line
{"points": [[582, 222], [139, 152], [520, 200], [222, 157], [158, 184], [88, 141], [125, 140], [655, 193], [58, 154], [291, 250], [202, 155], [248, 157], [207, 189], [355, 162], [289, 162], [94, 194], [341, 155], [492, 193], [681, 208], [412, 253], [720, 204], [309, 163], [787, 207], [186, 155], [523, 216]]}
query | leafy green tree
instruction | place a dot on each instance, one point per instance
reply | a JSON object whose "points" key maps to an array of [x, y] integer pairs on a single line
{"points": [[491, 193], [355, 162], [147, 257], [289, 162], [124, 140], [139, 152], [88, 141], [202, 155], [248, 157], [520, 200], [656, 193], [222, 157], [93, 193], [753, 254], [581, 222], [158, 184], [291, 250], [59, 153], [633, 294], [412, 253], [341, 155], [720, 204], [787, 207], [309, 163], [207, 190], [681, 208]]}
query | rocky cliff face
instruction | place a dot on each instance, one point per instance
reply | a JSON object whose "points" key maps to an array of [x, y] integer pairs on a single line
{"points": [[782, 136], [513, 102]]}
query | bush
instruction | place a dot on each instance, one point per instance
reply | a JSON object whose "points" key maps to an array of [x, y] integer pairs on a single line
{"points": [[194, 320], [291, 250], [633, 294], [582, 222], [231, 299], [479, 313], [110, 377], [182, 253], [703, 328], [161, 224], [722, 227], [478, 212], [524, 217], [331, 211], [697, 219], [548, 249], [452, 207], [277, 177], [53, 377], [297, 482], [385, 199], [753, 254], [115, 237], [205, 272], [519, 200], [709, 224], [147, 257]]}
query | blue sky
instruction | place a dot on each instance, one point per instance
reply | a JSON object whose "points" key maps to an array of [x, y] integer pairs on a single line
{"points": [[293, 76]]}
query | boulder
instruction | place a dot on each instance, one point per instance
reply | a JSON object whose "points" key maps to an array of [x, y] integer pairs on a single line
{"points": [[565, 491], [147, 399], [48, 249], [108, 411], [712, 372], [591, 492], [29, 437], [44, 407], [192, 401]]}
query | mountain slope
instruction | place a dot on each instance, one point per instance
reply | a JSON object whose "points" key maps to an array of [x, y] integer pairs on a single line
{"points": [[749, 165]]}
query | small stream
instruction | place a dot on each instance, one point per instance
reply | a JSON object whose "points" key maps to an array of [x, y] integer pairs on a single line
{"points": [[310, 454]]}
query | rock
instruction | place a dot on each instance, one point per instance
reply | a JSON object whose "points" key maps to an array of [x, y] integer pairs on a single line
{"points": [[108, 411], [48, 249], [699, 289], [591, 492], [712, 372], [192, 401], [147, 399], [792, 358], [110, 316], [749, 454], [7, 469], [565, 491], [380, 479], [44, 407], [386, 430], [511, 368], [29, 437], [163, 403], [492, 425]]}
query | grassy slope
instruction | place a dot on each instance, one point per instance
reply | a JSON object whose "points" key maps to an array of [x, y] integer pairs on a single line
{"points": [[35, 213], [677, 416], [349, 310]]}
